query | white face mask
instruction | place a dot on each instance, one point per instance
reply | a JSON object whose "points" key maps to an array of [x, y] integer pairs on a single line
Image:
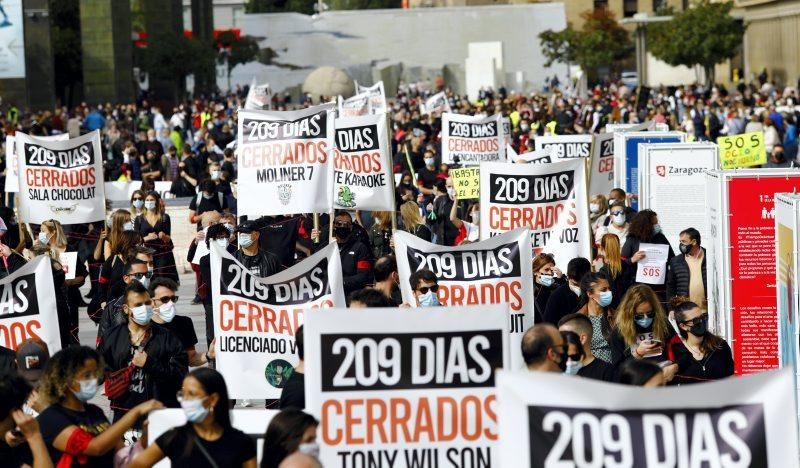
{"points": [[222, 243], [429, 162], [214, 175], [451, 192], [573, 367], [167, 311], [575, 289], [137, 204], [310, 448], [150, 205], [594, 207], [476, 216], [128, 226], [618, 219]]}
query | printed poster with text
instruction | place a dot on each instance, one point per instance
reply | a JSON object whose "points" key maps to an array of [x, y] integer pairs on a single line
{"points": [[602, 173], [28, 306], [406, 388], [754, 316], [470, 140], [284, 161], [548, 199], [12, 164]]}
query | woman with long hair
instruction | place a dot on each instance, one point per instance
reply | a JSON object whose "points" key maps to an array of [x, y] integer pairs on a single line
{"points": [[155, 227], [109, 281], [644, 228], [546, 279], [208, 438], [641, 329], [619, 271], [137, 203], [121, 221], [290, 431], [701, 355], [595, 300], [380, 233], [413, 221], [598, 212], [76, 432]]}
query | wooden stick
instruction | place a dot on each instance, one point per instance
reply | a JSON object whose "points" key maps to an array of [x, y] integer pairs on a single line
{"points": [[316, 226]]}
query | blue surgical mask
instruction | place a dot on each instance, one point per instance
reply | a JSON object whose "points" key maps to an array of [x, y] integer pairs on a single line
{"points": [[128, 226], [619, 219], [43, 238], [573, 367], [223, 243], [88, 390], [150, 205], [142, 314], [245, 240], [194, 410], [657, 229], [604, 299], [429, 299], [310, 448], [644, 323], [545, 280], [138, 204]]}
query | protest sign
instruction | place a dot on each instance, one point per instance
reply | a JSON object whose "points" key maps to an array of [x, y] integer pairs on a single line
{"points": [[652, 269], [602, 174], [642, 127], [377, 96], [255, 319], [730, 423], [469, 140], [672, 183], [548, 199], [787, 247], [285, 157], [61, 180], [252, 421], [69, 260], [437, 103], [362, 168], [565, 146], [744, 150], [121, 191], [506, 130], [162, 188], [28, 306], [354, 106], [12, 164], [741, 261], [626, 156], [466, 182], [494, 271], [405, 388], [533, 157], [259, 97]]}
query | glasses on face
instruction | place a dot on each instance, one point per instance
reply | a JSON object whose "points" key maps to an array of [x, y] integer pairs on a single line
{"points": [[645, 315], [138, 198], [425, 289], [165, 299], [574, 357], [139, 276], [700, 318]]}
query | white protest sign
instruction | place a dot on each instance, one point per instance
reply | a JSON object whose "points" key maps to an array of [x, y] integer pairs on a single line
{"points": [[548, 199], [405, 385], [494, 271], [377, 96], [252, 421], [162, 188], [259, 97], [28, 306], [61, 180], [69, 260], [284, 161], [255, 319], [565, 146], [360, 104], [437, 103], [470, 140], [652, 269], [602, 173], [119, 191], [12, 164], [533, 157], [506, 130], [742, 422], [362, 177]]}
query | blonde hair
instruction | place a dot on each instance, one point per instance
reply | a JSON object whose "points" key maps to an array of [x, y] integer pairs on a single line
{"points": [[602, 201], [384, 219], [409, 211], [118, 219], [611, 254], [623, 319], [56, 231], [542, 260]]}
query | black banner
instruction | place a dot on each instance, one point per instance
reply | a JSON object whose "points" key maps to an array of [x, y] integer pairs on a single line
{"points": [[306, 128], [468, 265], [79, 156], [354, 139], [509, 189], [19, 298], [237, 281]]}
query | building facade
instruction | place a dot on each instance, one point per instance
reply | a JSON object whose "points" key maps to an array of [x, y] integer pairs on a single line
{"points": [[771, 38]]}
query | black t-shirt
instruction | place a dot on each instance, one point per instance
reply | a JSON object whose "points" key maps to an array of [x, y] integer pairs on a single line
{"points": [[217, 202], [426, 178], [598, 370], [279, 236], [182, 328], [232, 449], [56, 418], [293, 394]]}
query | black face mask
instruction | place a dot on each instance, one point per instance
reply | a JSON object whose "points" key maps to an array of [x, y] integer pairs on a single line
{"points": [[685, 249], [700, 327], [562, 364], [342, 232]]}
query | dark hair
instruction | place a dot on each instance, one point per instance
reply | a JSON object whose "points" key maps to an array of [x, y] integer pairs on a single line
{"points": [[299, 340], [215, 230], [284, 434], [680, 306], [578, 321], [162, 281], [371, 297], [14, 391], [61, 369], [441, 185], [641, 226], [208, 185], [129, 266], [384, 267], [617, 191], [134, 287], [572, 338], [213, 382], [587, 282], [637, 372], [536, 342], [577, 267], [693, 234], [422, 275]]}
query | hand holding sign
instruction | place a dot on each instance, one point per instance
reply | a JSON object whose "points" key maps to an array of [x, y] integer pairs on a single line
{"points": [[652, 267]]}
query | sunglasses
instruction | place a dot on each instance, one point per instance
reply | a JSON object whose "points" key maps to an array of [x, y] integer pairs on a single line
{"points": [[339, 224], [644, 316], [165, 299], [149, 274], [690, 322], [137, 198], [574, 357], [425, 289]]}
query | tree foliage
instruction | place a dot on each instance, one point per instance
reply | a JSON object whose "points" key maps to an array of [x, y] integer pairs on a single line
{"points": [[703, 35], [174, 55], [241, 50], [600, 42]]}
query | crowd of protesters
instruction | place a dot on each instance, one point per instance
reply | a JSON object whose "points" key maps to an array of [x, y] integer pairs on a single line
{"points": [[593, 321]]}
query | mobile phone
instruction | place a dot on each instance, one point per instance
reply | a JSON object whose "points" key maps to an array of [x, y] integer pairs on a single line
{"points": [[655, 342]]}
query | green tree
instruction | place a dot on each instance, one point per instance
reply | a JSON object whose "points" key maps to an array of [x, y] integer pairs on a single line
{"points": [[236, 50], [175, 55], [600, 42], [703, 35]]}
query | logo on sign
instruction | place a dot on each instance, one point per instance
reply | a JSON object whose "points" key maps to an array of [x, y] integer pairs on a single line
{"points": [[661, 171], [346, 197], [278, 372], [285, 193]]}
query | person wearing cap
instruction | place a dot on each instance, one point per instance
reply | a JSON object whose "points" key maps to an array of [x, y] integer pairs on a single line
{"points": [[250, 254], [32, 355]]}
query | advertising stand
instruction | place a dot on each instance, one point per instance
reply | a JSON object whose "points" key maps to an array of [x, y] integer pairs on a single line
{"points": [[741, 262], [626, 156]]}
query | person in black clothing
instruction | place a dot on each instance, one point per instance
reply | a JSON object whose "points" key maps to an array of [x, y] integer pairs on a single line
{"points": [[387, 279], [157, 358], [701, 356], [355, 255], [680, 279], [164, 293], [113, 313], [289, 432], [564, 299], [428, 175], [219, 234], [293, 394], [250, 254], [187, 179], [444, 231], [279, 236], [207, 200], [77, 433], [590, 367], [644, 228], [208, 438], [368, 298], [14, 391], [546, 278]]}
